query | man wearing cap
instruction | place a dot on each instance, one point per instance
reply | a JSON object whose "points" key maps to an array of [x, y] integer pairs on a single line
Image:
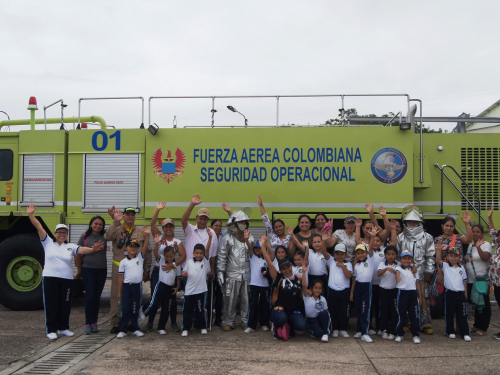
{"points": [[120, 234], [420, 244], [198, 233]]}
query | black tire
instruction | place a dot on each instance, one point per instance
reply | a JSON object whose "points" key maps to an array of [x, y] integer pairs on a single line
{"points": [[11, 248]]}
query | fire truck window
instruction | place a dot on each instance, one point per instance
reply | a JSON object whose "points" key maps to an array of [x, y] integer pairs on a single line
{"points": [[6, 165]]}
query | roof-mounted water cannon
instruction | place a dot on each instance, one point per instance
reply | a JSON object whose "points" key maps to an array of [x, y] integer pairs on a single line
{"points": [[410, 118]]}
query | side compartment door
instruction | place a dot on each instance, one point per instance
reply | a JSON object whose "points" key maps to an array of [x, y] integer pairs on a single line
{"points": [[8, 177], [38, 180]]}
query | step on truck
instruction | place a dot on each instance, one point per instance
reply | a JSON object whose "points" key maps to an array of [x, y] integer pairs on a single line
{"points": [[72, 175]]}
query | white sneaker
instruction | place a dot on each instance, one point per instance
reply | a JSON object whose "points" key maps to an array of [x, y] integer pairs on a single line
{"points": [[467, 338], [366, 338], [141, 314], [372, 332], [204, 332], [452, 336], [324, 338], [121, 335], [138, 333], [52, 335], [385, 336], [65, 333], [184, 333], [358, 335], [249, 330], [416, 340], [399, 339], [379, 332], [162, 332], [344, 334], [265, 329], [335, 334], [391, 337]]}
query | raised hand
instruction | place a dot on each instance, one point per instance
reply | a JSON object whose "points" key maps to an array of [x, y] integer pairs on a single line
{"points": [[263, 239], [304, 267], [373, 232], [393, 224], [289, 230], [98, 246], [382, 211], [157, 238], [439, 245], [359, 222], [480, 242], [369, 207], [246, 235], [146, 229], [305, 244], [196, 199], [466, 217], [161, 206], [31, 209], [326, 236], [259, 200], [490, 213], [226, 208], [111, 211], [210, 233], [118, 215]]}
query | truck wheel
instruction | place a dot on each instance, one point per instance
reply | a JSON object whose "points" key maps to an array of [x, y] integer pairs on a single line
{"points": [[21, 265]]}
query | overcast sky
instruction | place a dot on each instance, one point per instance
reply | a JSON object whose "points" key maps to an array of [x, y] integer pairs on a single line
{"points": [[443, 52]]}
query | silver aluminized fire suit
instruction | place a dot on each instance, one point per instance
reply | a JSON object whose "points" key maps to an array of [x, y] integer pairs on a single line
{"points": [[233, 270], [421, 245]]}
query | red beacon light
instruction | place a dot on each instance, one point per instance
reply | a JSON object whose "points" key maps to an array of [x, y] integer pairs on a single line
{"points": [[84, 125], [32, 103]]}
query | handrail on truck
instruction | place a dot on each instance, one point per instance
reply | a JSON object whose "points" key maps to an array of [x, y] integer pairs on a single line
{"points": [[56, 120], [113, 98], [443, 174]]}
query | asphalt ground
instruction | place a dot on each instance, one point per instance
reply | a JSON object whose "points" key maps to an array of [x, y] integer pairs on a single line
{"points": [[22, 341]]}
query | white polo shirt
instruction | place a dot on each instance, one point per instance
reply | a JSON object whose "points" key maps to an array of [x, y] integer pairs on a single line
{"points": [[482, 268], [408, 279], [197, 276], [164, 243], [317, 263], [363, 271], [58, 258], [313, 307], [168, 277], [388, 279], [256, 277], [131, 268], [378, 257], [454, 277], [337, 280], [195, 236], [297, 270]]}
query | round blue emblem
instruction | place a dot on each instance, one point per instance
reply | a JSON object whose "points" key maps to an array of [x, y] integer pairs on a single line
{"points": [[389, 165]]}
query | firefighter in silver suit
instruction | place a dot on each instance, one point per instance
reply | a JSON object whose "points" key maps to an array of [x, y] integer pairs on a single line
{"points": [[421, 245], [233, 268]]}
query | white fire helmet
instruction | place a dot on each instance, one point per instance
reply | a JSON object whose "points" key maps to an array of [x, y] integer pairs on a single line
{"points": [[412, 213], [238, 219]]}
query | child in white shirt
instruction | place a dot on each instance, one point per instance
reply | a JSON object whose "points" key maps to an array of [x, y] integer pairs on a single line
{"points": [[388, 293], [197, 269], [316, 308], [409, 297]]}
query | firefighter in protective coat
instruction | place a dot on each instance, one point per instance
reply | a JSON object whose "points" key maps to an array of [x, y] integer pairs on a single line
{"points": [[421, 244], [233, 268]]}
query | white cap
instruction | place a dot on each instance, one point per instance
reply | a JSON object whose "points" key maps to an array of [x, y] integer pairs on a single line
{"points": [[61, 226], [340, 247]]}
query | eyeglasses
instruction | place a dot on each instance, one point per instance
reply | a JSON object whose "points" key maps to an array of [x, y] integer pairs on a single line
{"points": [[65, 233]]}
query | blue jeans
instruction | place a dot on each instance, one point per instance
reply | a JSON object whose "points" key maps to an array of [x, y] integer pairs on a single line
{"points": [[93, 281], [320, 325], [295, 319]]}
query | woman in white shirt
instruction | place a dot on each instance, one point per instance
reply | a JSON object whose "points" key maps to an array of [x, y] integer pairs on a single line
{"points": [[477, 267], [57, 275]]}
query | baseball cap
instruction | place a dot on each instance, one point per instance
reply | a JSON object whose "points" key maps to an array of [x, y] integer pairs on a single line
{"points": [[129, 210], [406, 253], [340, 247], [360, 247], [61, 226], [167, 221], [454, 250], [350, 218], [133, 243], [284, 262], [203, 212], [257, 244]]}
